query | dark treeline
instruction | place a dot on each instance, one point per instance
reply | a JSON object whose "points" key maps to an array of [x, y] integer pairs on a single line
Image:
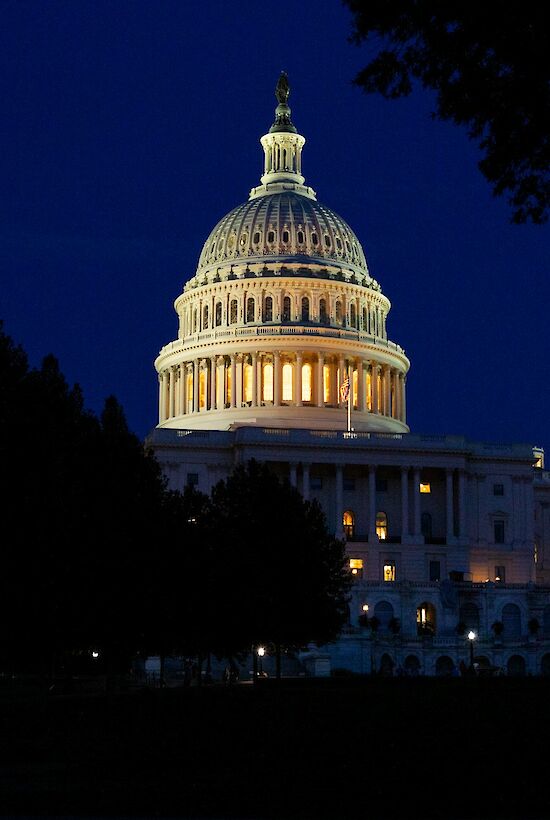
{"points": [[97, 553]]}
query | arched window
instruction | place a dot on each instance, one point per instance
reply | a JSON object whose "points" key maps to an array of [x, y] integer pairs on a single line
{"points": [[307, 381], [300, 237], [382, 525], [511, 618], [468, 614], [270, 237], [348, 523], [218, 314], [285, 237], [247, 382], [205, 318], [268, 309], [364, 323], [326, 384], [202, 389], [314, 239], [256, 238], [328, 243], [195, 321], [268, 382], [233, 312], [352, 316], [426, 524], [338, 313], [287, 381], [426, 619], [323, 315], [250, 308], [305, 309], [286, 309]]}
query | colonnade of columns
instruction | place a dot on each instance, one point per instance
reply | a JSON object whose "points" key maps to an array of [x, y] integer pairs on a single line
{"points": [[280, 378], [410, 519]]}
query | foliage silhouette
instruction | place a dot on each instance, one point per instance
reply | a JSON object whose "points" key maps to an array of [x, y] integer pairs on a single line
{"points": [[490, 68]]}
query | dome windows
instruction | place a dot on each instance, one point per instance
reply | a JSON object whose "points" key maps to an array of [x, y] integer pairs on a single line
{"points": [[268, 309], [328, 242], [250, 309], [218, 314], [231, 242], [233, 312], [323, 315], [305, 309], [339, 313], [314, 239], [285, 237], [286, 309], [338, 243], [205, 318], [243, 240], [256, 238], [300, 237], [270, 237]]}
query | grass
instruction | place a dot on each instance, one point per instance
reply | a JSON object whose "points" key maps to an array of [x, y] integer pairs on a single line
{"points": [[360, 748]]}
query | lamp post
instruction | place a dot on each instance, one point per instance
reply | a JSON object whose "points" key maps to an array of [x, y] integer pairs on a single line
{"points": [[261, 653], [471, 637]]}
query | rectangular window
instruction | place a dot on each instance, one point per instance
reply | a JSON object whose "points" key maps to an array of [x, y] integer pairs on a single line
{"points": [[500, 574], [435, 570], [349, 484], [356, 567], [326, 384], [389, 571], [499, 531], [381, 485], [316, 482], [192, 479], [498, 489], [425, 488]]}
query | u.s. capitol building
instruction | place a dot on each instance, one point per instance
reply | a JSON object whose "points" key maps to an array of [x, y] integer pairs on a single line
{"points": [[447, 538]]}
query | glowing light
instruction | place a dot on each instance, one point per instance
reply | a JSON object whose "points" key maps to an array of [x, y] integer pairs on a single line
{"points": [[472, 635], [247, 382], [268, 382], [306, 382], [287, 382], [425, 488], [326, 384], [365, 607], [261, 651], [356, 563], [95, 654]]}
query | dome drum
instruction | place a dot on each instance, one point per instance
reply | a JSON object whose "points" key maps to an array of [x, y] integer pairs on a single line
{"points": [[281, 312]]}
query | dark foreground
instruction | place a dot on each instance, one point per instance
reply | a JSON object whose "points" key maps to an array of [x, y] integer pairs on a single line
{"points": [[372, 749]]}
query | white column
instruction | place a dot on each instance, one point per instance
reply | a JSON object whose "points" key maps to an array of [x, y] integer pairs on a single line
{"points": [[305, 481], [416, 496], [162, 409], [320, 380], [387, 391], [374, 387], [292, 473], [196, 386], [404, 504], [462, 503], [233, 380], [449, 504], [298, 381], [182, 389], [276, 378], [372, 504], [212, 383], [171, 393], [254, 357]]}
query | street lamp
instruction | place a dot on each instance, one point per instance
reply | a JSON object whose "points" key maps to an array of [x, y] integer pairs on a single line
{"points": [[471, 637], [261, 653], [365, 608]]}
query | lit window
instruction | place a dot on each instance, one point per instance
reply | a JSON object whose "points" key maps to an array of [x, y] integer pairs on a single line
{"points": [[425, 488], [389, 571], [307, 372], [538, 453], [369, 392], [498, 489], [382, 525], [326, 384], [500, 574], [189, 391], [268, 382], [425, 619], [499, 531], [202, 390], [355, 388], [228, 387], [287, 382], [356, 567], [247, 382], [536, 553], [348, 522]]}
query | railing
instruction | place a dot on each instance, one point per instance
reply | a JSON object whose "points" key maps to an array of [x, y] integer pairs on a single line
{"points": [[278, 330]]}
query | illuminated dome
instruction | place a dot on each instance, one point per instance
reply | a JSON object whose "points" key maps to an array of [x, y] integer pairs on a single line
{"points": [[281, 311]]}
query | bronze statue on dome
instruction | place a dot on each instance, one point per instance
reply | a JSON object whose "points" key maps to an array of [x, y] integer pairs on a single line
{"points": [[282, 90]]}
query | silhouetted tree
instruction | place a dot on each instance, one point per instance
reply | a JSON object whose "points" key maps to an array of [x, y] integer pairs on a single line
{"points": [[280, 576], [489, 65]]}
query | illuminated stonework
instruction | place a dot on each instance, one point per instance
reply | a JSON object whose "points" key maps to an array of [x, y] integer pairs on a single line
{"points": [[282, 307]]}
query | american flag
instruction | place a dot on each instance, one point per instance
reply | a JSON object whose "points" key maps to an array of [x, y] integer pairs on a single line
{"points": [[344, 389]]}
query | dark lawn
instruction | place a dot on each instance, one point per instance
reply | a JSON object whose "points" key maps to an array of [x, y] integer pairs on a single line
{"points": [[420, 748]]}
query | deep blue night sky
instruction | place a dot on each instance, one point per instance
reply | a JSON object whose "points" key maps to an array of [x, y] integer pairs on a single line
{"points": [[130, 128]]}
